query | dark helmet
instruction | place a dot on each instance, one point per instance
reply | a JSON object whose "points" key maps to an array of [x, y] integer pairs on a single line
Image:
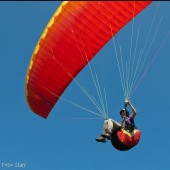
{"points": [[122, 110]]}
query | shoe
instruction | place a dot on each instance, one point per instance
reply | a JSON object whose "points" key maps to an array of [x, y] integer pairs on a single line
{"points": [[106, 135], [101, 139]]}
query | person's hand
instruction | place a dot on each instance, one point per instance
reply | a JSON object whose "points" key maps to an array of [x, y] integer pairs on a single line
{"points": [[128, 102]]}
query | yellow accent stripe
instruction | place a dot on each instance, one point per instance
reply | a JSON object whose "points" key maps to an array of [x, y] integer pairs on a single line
{"points": [[128, 133], [50, 23]]}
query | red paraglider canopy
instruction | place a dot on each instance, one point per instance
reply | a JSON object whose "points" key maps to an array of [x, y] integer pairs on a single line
{"points": [[75, 34]]}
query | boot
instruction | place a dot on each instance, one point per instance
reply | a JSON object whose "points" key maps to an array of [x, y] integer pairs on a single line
{"points": [[101, 139]]}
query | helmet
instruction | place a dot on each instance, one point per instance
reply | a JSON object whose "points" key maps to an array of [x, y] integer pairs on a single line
{"points": [[122, 110]]}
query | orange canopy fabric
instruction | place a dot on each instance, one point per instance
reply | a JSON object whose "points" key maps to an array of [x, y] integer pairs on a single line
{"points": [[73, 36]]}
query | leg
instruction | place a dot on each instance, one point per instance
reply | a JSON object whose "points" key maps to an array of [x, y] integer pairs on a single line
{"points": [[116, 125], [107, 124], [110, 126]]}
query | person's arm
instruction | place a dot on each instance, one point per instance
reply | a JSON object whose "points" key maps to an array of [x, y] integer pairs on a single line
{"points": [[132, 108]]}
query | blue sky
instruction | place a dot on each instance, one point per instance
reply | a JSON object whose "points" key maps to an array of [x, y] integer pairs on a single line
{"points": [[66, 140]]}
